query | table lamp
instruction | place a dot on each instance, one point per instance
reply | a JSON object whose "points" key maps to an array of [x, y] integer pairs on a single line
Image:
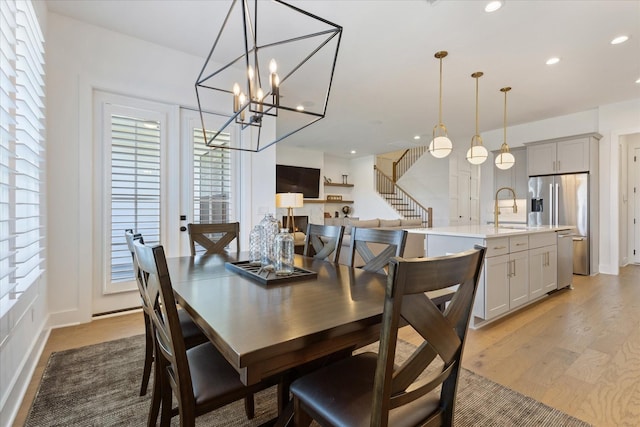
{"points": [[289, 201]]}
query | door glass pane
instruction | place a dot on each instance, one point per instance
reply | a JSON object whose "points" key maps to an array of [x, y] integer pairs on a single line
{"points": [[135, 188], [212, 181]]}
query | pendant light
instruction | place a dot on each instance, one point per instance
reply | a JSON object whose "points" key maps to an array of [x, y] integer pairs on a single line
{"points": [[440, 145], [477, 154], [505, 159]]}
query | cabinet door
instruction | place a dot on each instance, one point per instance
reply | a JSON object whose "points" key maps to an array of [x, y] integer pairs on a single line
{"points": [[573, 156], [518, 279], [541, 159], [550, 270], [496, 286], [537, 258]]}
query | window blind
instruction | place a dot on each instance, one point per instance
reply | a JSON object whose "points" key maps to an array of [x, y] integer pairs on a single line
{"points": [[22, 118], [211, 179], [135, 188]]}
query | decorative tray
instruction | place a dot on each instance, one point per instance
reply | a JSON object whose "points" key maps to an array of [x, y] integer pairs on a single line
{"points": [[268, 277]]}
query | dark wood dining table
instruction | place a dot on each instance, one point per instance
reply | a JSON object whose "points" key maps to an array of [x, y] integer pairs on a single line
{"points": [[264, 330]]}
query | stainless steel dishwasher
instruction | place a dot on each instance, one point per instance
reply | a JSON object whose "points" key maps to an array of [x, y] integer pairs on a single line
{"points": [[565, 258]]}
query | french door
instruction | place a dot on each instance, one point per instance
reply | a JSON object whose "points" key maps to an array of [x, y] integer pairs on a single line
{"points": [[153, 174]]}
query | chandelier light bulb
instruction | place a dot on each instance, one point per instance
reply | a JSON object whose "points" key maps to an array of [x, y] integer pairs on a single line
{"points": [[236, 89], [273, 66]]}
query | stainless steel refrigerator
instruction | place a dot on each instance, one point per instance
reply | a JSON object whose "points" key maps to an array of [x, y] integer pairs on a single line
{"points": [[563, 200]]}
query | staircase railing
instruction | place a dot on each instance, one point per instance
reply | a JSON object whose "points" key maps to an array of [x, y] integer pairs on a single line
{"points": [[407, 159], [386, 186]]}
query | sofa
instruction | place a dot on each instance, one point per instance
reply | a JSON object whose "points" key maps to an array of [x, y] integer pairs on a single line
{"points": [[414, 248]]}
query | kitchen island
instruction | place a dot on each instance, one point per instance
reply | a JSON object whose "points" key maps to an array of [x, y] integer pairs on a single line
{"points": [[520, 267]]}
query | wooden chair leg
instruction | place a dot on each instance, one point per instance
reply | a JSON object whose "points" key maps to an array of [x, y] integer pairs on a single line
{"points": [[148, 354], [167, 397], [249, 407], [300, 417], [156, 397]]}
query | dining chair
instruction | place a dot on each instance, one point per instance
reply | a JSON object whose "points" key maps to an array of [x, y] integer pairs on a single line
{"points": [[214, 238], [368, 389], [200, 377], [323, 240], [190, 331], [376, 247]]}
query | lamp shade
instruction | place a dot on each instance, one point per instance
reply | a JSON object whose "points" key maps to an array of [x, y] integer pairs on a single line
{"points": [[477, 154], [505, 160], [289, 200], [440, 147]]}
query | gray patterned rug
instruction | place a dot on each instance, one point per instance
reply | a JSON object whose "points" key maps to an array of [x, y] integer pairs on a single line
{"points": [[98, 386]]}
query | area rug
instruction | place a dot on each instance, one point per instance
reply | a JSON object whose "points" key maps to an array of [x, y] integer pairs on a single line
{"points": [[98, 386]]}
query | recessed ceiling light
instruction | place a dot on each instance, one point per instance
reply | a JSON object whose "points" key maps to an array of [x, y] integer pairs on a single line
{"points": [[553, 60], [492, 6], [620, 39], [416, 137], [638, 81], [353, 151]]}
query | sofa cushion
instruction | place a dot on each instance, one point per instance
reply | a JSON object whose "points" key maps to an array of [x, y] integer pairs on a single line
{"points": [[389, 222], [364, 223], [412, 222]]}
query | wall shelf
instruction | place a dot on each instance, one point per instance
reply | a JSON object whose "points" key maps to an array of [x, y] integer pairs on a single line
{"points": [[332, 184], [327, 201]]}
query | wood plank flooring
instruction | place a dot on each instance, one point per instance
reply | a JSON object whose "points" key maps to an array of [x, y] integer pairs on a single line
{"points": [[576, 350]]}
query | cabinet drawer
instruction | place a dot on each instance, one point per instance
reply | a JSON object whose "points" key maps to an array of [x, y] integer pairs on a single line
{"points": [[538, 240], [495, 247], [518, 243]]}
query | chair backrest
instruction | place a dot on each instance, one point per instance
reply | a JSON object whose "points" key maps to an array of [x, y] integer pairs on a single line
{"points": [[391, 241], [214, 238], [323, 240], [440, 354], [164, 315], [130, 237]]}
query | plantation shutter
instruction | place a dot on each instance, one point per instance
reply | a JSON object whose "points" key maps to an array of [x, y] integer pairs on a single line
{"points": [[212, 180], [22, 118], [135, 187]]}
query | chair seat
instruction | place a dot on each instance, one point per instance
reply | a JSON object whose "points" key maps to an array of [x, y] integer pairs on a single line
{"points": [[212, 376], [342, 393]]}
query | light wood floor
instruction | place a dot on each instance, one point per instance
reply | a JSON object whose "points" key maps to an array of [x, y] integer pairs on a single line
{"points": [[577, 350]]}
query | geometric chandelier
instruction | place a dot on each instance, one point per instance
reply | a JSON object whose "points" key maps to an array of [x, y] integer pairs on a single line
{"points": [[271, 66]]}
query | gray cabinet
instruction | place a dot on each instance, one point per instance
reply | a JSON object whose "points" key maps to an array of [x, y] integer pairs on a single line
{"points": [[562, 155]]}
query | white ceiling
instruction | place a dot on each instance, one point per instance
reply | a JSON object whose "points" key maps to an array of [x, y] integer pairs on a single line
{"points": [[385, 88]]}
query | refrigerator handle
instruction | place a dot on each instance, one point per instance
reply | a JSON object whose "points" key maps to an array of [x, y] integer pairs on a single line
{"points": [[550, 204], [555, 204]]}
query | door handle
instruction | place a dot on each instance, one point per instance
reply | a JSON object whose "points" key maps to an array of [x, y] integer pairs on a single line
{"points": [[183, 228]]}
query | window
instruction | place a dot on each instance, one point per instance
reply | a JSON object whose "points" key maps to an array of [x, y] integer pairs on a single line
{"points": [[21, 152], [211, 180], [135, 187]]}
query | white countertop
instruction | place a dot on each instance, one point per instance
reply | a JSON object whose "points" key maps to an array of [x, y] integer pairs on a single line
{"points": [[488, 231]]}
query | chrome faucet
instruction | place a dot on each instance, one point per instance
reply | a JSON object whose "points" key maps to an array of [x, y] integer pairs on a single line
{"points": [[496, 209]]}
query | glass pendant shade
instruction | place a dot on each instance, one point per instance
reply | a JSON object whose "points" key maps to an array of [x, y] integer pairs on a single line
{"points": [[477, 154], [440, 147], [505, 161]]}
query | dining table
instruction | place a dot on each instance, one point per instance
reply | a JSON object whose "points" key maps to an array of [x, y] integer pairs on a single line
{"points": [[268, 329]]}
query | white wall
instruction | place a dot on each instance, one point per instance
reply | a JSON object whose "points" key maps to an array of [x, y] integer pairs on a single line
{"points": [[615, 120]]}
